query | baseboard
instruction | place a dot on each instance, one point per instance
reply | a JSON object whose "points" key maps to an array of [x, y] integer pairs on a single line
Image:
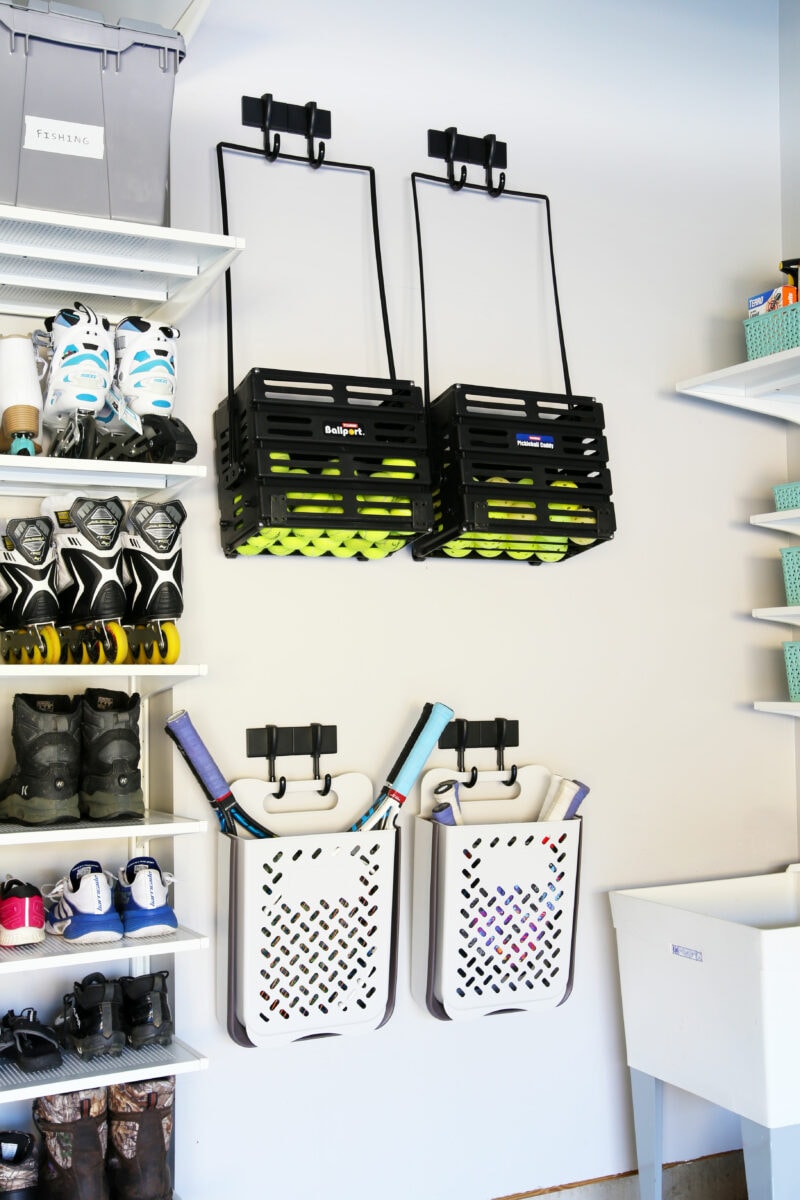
{"points": [[716, 1177]]}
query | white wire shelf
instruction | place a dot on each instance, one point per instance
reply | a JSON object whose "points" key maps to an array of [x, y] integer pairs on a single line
{"points": [[147, 1063], [58, 952], [154, 825], [148, 681], [121, 268], [40, 475]]}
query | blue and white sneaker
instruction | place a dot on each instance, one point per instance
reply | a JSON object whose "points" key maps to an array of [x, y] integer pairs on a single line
{"points": [[82, 909], [140, 894]]}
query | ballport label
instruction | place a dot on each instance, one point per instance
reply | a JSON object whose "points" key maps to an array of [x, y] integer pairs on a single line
{"points": [[535, 441], [346, 429]]}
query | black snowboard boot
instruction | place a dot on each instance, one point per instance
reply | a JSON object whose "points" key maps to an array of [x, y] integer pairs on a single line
{"points": [[140, 1131], [19, 1165], [74, 1133], [111, 782], [90, 1022], [43, 788], [146, 1013]]}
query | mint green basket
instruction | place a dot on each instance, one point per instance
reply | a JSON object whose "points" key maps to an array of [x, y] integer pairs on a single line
{"points": [[790, 560], [787, 495], [771, 332], [791, 656]]}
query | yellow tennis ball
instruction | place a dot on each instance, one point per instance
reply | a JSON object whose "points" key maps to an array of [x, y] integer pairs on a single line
{"points": [[456, 549], [586, 520]]}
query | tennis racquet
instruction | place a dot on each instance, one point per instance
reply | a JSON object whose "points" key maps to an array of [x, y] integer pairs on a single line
{"points": [[382, 814], [229, 814]]}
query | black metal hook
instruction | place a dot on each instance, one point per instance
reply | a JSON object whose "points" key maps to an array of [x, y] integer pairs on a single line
{"points": [[456, 184], [270, 152], [473, 778], [501, 747], [316, 750], [311, 120], [490, 143]]}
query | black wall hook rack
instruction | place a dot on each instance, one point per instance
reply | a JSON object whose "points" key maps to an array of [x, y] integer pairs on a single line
{"points": [[484, 152], [461, 735], [272, 742], [276, 117]]}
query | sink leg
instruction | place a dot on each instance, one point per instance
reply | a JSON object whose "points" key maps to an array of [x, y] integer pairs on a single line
{"points": [[771, 1160], [647, 1108]]}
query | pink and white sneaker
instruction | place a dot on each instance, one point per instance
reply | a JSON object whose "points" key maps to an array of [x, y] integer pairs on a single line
{"points": [[21, 913]]}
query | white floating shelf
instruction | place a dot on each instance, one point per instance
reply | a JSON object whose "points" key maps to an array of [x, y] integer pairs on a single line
{"points": [[148, 681], [154, 825], [121, 268], [58, 952], [147, 1063], [786, 615], [785, 708], [786, 520], [21, 475], [769, 385]]}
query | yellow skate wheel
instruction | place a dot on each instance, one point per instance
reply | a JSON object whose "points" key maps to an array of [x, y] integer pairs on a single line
{"points": [[109, 644], [49, 648], [169, 643], [52, 644]]}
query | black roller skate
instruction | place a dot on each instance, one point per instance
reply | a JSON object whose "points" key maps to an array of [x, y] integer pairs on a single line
{"points": [[29, 604], [153, 560], [90, 586]]}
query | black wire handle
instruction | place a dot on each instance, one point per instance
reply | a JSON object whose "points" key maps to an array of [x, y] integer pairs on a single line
{"points": [[502, 192], [317, 162]]}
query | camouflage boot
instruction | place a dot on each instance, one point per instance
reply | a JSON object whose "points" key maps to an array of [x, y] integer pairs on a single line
{"points": [[19, 1166], [74, 1132], [140, 1132]]}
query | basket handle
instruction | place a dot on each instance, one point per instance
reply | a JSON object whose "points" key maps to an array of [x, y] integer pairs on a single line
{"points": [[499, 192], [316, 162]]}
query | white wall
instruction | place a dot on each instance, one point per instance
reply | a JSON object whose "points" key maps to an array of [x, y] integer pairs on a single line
{"points": [[654, 129]]}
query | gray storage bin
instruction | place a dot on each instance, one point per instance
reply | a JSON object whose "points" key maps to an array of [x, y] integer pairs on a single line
{"points": [[87, 110]]}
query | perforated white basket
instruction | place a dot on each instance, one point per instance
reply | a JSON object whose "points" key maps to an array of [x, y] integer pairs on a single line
{"points": [[310, 934], [494, 915]]}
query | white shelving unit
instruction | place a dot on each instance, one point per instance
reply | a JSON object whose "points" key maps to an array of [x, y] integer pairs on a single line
{"points": [[119, 268], [133, 954], [47, 261], [771, 386]]}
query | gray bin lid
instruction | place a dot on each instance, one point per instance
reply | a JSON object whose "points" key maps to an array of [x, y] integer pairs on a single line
{"points": [[57, 22]]}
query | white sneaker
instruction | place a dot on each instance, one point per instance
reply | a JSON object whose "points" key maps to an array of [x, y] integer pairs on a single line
{"points": [[83, 910], [140, 894]]}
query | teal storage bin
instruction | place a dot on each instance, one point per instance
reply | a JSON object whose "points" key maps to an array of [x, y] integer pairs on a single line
{"points": [[773, 332], [787, 495], [790, 560], [791, 655]]}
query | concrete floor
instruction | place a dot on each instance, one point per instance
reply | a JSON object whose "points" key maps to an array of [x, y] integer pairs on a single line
{"points": [[718, 1177]]}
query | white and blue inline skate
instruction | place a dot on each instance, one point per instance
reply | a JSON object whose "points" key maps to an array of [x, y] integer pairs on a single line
{"points": [[77, 348], [138, 415]]}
